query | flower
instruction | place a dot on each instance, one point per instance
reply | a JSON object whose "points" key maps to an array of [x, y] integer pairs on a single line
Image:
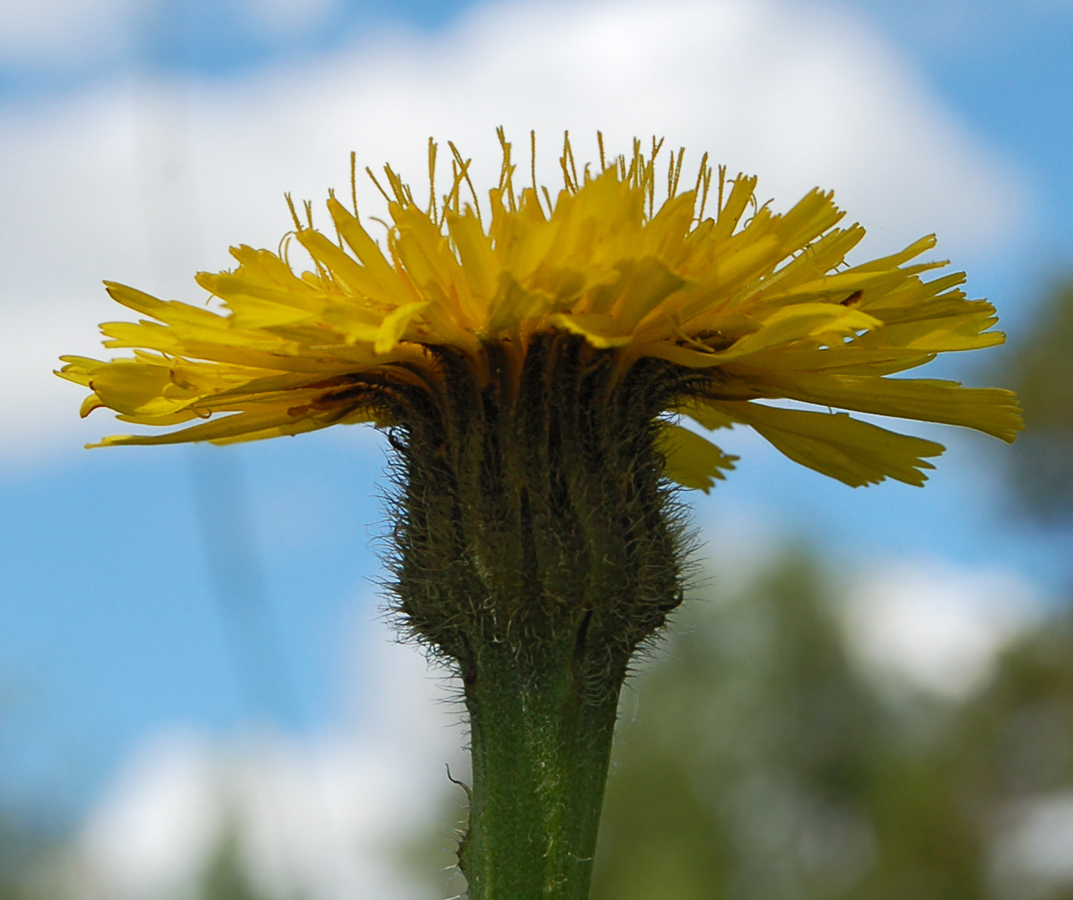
{"points": [[745, 305], [531, 362]]}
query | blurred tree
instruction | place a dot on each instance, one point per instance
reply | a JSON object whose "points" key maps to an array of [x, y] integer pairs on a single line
{"points": [[1020, 731], [1015, 753], [12, 853], [24, 848], [1041, 371], [763, 763], [227, 876]]}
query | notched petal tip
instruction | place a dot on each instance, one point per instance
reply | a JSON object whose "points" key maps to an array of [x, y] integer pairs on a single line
{"points": [[112, 440], [690, 460], [91, 403], [1010, 417]]}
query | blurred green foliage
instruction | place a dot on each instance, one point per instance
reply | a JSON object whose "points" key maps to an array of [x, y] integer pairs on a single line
{"points": [[18, 847], [758, 760], [225, 877], [1041, 371], [764, 763], [32, 868]]}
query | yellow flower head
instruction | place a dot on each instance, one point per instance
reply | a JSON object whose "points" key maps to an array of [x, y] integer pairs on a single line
{"points": [[744, 305]]}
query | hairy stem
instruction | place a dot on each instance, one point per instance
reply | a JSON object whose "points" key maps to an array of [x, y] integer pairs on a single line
{"points": [[540, 756], [536, 546]]}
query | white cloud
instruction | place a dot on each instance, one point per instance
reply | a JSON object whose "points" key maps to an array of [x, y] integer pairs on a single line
{"points": [[62, 35], [281, 16], [1033, 853], [938, 626], [50, 34], [322, 818], [148, 185], [157, 823]]}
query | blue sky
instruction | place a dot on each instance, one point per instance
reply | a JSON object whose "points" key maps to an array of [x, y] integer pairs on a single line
{"points": [[1003, 68], [111, 622]]}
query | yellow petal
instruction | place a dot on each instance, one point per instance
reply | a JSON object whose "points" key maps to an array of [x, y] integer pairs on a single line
{"points": [[704, 414], [800, 322], [388, 284], [513, 304], [394, 325], [856, 453], [599, 330], [126, 386], [478, 259], [217, 428], [690, 460], [748, 305], [990, 410], [643, 286], [731, 213]]}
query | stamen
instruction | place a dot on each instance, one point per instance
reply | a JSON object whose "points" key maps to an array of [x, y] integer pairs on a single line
{"points": [[568, 157], [354, 182], [321, 271], [532, 172], [649, 175], [512, 199], [451, 201], [432, 209], [504, 148], [398, 187], [464, 166], [532, 159], [294, 214], [506, 172], [369, 172], [632, 175], [673, 192], [338, 233], [704, 178], [651, 167], [600, 141]]}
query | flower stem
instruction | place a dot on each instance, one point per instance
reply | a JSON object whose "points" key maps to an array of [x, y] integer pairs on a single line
{"points": [[537, 546], [540, 751]]}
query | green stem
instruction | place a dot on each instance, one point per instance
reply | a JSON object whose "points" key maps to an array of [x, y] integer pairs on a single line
{"points": [[540, 752], [537, 545]]}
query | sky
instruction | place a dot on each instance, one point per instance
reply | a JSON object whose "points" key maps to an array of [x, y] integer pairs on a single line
{"points": [[200, 589]]}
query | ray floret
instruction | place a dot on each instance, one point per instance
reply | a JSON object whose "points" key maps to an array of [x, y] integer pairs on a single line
{"points": [[745, 304]]}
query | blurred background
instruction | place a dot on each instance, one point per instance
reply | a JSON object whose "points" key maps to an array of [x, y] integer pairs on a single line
{"points": [[871, 694]]}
